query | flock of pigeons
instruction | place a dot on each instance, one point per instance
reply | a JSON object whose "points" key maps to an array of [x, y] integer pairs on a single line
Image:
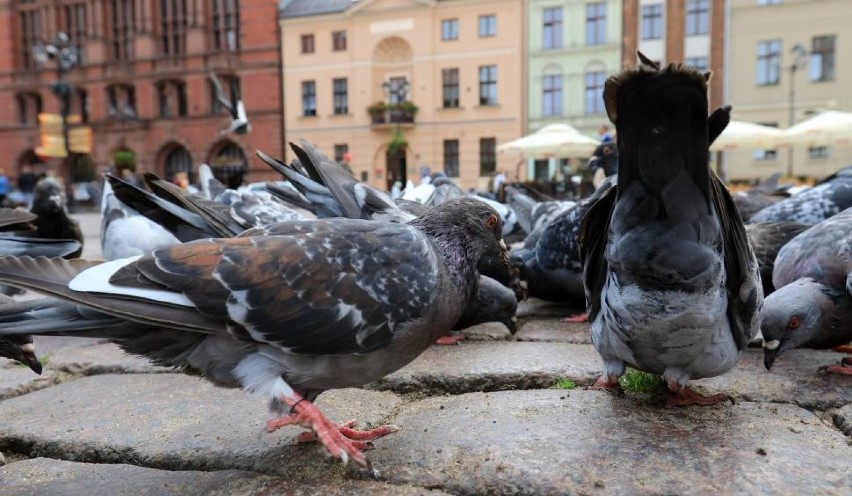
{"points": [[323, 282]]}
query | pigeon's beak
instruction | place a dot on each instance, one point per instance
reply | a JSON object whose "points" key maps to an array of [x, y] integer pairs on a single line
{"points": [[29, 358], [771, 350], [511, 324]]}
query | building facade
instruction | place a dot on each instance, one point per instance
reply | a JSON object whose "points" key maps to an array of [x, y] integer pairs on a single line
{"points": [[142, 82], [398, 87], [678, 31], [786, 63], [573, 47]]}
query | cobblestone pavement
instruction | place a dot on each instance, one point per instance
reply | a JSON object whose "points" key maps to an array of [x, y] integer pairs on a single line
{"points": [[483, 417]]}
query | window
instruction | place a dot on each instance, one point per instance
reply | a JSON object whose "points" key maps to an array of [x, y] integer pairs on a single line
{"points": [[552, 28], [488, 85], [80, 104], [338, 41], [699, 63], [228, 83], [309, 98], [340, 152], [487, 25], [121, 101], [769, 2], [768, 62], [29, 106], [652, 21], [341, 95], [487, 156], [541, 169], [765, 155], [594, 92], [74, 24], [397, 89], [449, 29], [178, 160], [171, 96], [123, 17], [697, 17], [822, 58], [450, 87], [30, 33], [451, 157], [173, 22], [307, 43], [225, 23], [551, 95], [595, 23], [818, 152]]}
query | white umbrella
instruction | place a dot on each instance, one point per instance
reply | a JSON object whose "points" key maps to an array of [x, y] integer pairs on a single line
{"points": [[554, 140], [740, 134], [823, 129]]}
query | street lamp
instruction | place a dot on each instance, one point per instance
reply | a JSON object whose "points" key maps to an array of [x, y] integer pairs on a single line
{"points": [[66, 56], [800, 54]]}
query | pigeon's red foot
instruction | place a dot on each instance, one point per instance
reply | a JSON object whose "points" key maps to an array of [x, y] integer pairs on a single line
{"points": [[580, 317], [845, 368], [331, 435], [844, 348], [358, 437], [686, 396], [450, 340], [609, 385]]}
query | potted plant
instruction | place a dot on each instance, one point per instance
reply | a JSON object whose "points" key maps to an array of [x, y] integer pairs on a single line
{"points": [[377, 112]]}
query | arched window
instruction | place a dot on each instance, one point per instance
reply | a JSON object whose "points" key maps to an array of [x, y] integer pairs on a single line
{"points": [[177, 160], [171, 96], [229, 164]]}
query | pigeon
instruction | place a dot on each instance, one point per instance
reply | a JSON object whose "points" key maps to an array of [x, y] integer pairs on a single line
{"points": [[812, 303], [20, 348], [828, 197], [533, 214], [604, 162], [125, 232], [52, 220], [311, 306], [239, 120], [767, 239], [672, 284]]}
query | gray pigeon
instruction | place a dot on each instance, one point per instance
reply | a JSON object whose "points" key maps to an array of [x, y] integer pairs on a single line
{"points": [[315, 305], [767, 239], [812, 305], [234, 105], [126, 233], [672, 284], [829, 197]]}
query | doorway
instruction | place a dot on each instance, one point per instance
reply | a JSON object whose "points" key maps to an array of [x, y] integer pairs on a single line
{"points": [[396, 167]]}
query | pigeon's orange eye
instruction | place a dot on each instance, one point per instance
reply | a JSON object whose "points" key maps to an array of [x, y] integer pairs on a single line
{"points": [[794, 322], [491, 222]]}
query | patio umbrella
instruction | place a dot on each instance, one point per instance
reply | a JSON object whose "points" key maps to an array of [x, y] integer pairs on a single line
{"points": [[823, 129], [554, 140], [740, 134]]}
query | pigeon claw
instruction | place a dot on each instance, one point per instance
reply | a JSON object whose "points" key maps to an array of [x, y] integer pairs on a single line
{"points": [[577, 318], [450, 340], [605, 384], [844, 348], [845, 368], [686, 397]]}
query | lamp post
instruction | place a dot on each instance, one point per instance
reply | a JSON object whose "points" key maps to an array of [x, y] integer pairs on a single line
{"points": [[66, 57], [800, 54]]}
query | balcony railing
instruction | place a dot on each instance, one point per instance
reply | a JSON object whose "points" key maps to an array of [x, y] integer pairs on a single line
{"points": [[382, 114]]}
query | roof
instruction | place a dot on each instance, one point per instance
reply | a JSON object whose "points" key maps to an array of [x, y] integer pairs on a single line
{"points": [[288, 9]]}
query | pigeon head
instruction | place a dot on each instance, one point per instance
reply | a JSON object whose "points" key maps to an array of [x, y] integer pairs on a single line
{"points": [[48, 197], [661, 120], [20, 348], [467, 228], [794, 314]]}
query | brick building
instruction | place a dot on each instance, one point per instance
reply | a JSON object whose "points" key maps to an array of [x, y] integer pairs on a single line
{"points": [[142, 83]]}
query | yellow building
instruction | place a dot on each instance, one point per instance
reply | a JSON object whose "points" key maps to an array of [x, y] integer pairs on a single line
{"points": [[396, 86], [786, 62]]}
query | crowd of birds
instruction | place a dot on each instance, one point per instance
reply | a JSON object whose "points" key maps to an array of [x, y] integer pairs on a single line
{"points": [[323, 282]]}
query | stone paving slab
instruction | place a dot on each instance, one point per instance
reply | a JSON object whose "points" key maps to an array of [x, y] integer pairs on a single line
{"points": [[590, 442], [174, 422], [555, 330], [490, 366], [16, 380], [843, 419], [46, 477], [101, 358], [489, 331], [793, 379]]}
